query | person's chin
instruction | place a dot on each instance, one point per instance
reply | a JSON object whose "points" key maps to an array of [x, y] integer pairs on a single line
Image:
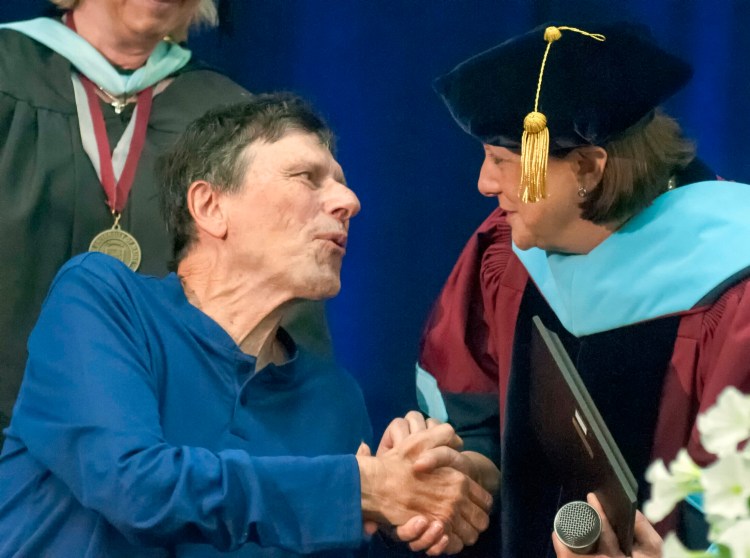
{"points": [[323, 288], [523, 242]]}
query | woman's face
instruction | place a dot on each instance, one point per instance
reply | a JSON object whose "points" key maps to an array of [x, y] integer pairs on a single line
{"points": [[553, 223], [151, 18]]}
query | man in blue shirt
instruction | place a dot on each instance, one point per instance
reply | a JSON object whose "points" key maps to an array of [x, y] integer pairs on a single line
{"points": [[174, 417]]}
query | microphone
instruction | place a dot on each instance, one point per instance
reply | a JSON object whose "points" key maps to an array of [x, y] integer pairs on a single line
{"points": [[578, 526]]}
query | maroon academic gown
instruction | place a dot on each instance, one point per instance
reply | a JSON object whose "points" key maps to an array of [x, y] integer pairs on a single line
{"points": [[470, 346]]}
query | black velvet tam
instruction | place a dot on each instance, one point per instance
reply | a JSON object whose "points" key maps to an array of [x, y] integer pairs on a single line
{"points": [[591, 90]]}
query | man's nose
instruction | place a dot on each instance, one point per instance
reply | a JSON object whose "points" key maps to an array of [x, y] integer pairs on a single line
{"points": [[345, 203]]}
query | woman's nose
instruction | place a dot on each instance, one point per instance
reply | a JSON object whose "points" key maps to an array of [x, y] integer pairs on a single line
{"points": [[488, 184]]}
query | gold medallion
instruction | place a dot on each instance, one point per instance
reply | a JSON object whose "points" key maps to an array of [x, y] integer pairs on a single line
{"points": [[119, 244]]}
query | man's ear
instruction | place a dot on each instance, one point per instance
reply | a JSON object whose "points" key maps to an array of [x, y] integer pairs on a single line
{"points": [[204, 205], [590, 163]]}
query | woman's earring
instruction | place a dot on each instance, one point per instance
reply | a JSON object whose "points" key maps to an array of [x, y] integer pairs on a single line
{"points": [[582, 192]]}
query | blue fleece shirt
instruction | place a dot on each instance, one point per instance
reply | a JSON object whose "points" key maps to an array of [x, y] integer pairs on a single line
{"points": [[142, 429]]}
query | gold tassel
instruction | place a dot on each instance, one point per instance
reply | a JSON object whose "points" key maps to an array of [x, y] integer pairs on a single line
{"points": [[535, 140], [534, 154]]}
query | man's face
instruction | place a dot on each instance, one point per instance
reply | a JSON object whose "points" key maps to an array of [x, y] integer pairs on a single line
{"points": [[289, 220]]}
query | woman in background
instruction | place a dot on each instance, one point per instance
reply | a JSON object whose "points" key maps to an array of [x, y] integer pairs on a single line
{"points": [[87, 103]]}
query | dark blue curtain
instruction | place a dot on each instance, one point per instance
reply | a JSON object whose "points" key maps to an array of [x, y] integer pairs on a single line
{"points": [[368, 65]]}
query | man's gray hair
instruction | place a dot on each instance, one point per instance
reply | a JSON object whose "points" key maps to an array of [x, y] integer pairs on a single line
{"points": [[213, 149]]}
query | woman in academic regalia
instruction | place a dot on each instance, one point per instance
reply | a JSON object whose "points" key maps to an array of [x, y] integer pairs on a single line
{"points": [[614, 234], [87, 104]]}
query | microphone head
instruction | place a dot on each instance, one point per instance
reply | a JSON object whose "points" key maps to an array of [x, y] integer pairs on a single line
{"points": [[578, 526]]}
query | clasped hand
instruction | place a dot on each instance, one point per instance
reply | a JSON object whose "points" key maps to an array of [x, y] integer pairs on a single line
{"points": [[436, 497]]}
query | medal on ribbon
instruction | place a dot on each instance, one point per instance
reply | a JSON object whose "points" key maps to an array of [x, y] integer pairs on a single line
{"points": [[116, 170], [119, 244]]}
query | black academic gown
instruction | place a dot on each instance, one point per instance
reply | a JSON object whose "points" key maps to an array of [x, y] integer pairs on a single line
{"points": [[51, 202]]}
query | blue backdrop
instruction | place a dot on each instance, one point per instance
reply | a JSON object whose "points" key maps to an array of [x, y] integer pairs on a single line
{"points": [[368, 65]]}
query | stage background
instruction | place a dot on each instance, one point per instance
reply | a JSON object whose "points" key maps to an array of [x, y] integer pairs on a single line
{"points": [[368, 66]]}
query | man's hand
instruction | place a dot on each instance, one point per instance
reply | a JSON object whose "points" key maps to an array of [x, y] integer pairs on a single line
{"points": [[400, 428], [473, 464], [476, 466], [646, 544], [394, 492], [420, 533]]}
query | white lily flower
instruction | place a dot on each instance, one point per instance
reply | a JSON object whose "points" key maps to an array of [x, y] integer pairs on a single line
{"points": [[668, 487], [737, 539], [726, 485], [727, 423], [673, 548], [717, 525]]}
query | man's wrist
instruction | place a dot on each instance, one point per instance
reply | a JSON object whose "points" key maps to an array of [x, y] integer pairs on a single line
{"points": [[371, 477]]}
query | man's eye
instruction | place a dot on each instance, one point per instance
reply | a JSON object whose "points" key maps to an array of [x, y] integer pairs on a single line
{"points": [[308, 177]]}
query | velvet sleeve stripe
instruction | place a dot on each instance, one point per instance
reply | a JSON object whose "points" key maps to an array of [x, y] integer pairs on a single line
{"points": [[475, 416], [429, 398]]}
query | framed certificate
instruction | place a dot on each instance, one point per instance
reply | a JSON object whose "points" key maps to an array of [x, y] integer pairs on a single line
{"points": [[574, 437]]}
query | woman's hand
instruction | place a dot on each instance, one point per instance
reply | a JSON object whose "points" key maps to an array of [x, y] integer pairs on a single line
{"points": [[646, 544]]}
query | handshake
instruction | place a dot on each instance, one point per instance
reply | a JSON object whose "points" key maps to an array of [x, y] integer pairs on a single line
{"points": [[436, 497]]}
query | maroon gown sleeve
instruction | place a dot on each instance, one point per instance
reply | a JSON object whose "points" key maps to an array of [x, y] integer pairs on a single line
{"points": [[454, 342], [468, 338], [712, 352], [503, 281]]}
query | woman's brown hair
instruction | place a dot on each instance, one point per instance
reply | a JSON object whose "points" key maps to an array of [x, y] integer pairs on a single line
{"points": [[639, 165]]}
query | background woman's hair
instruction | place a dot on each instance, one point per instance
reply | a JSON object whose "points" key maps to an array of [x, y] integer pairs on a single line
{"points": [[205, 13], [639, 164]]}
